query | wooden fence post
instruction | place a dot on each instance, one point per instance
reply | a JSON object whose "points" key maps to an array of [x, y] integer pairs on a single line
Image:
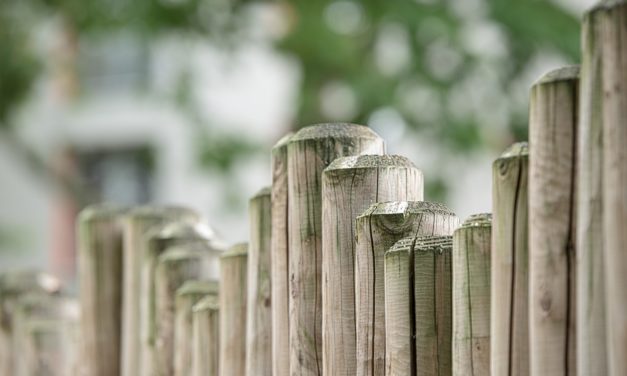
{"points": [[378, 229], [471, 296], [206, 337], [310, 151], [509, 319], [614, 60], [137, 223], [591, 338], [233, 296], [175, 266], [279, 260], [100, 283], [190, 293], [349, 186], [552, 269], [259, 301]]}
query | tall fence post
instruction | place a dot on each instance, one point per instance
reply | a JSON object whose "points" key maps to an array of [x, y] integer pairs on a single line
{"points": [[471, 296], [233, 296], [100, 282], [349, 186], [206, 337], [509, 319], [591, 337], [259, 320], [310, 151], [280, 260], [552, 253], [614, 61], [190, 293], [378, 229], [137, 223]]}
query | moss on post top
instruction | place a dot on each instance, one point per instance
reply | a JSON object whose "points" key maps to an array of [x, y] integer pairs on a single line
{"points": [[335, 131], [569, 73], [406, 208], [478, 220], [99, 212], [208, 303], [194, 287], [369, 161], [240, 249]]}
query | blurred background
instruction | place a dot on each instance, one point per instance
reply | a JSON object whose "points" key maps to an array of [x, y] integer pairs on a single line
{"points": [[180, 101]]}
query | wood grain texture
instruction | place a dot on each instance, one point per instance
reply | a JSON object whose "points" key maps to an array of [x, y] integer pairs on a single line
{"points": [[100, 282], [310, 151], [233, 297], [137, 223], [190, 293], [280, 261], [552, 254], [471, 296], [206, 337], [591, 337], [378, 229], [349, 186], [259, 304], [175, 266], [614, 61], [509, 319]]}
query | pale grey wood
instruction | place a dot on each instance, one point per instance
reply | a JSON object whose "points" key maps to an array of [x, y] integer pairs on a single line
{"points": [[378, 229], [509, 319], [259, 304], [552, 254], [206, 337], [280, 260], [137, 223], [190, 293], [471, 296], [349, 186], [175, 266], [100, 288], [13, 285], [614, 61], [233, 297], [310, 151], [591, 338]]}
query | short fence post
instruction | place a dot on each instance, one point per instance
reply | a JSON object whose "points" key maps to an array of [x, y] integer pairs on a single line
{"points": [[552, 253], [259, 304], [206, 337], [378, 229], [233, 296], [471, 296], [187, 296], [349, 186], [280, 261], [100, 281], [509, 319], [310, 151]]}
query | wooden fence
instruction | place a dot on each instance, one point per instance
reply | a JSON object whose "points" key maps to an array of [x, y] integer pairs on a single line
{"points": [[350, 272]]}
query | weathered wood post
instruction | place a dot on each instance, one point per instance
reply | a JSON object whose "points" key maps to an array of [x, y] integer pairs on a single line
{"points": [[279, 261], [309, 152], [100, 283], [418, 306], [378, 229], [190, 293], [136, 224], [175, 266], [614, 61], [259, 301], [552, 269], [206, 337], [591, 338], [349, 186], [471, 296], [233, 296], [13, 285], [509, 319]]}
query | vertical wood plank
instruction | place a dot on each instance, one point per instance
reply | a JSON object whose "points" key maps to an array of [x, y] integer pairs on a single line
{"points": [[310, 151], [349, 186], [206, 337]]}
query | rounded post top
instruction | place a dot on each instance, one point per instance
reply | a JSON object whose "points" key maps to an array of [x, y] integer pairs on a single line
{"points": [[605, 5], [569, 73], [208, 303], [263, 192], [333, 130], [369, 161], [478, 220], [22, 281], [428, 243], [101, 212], [239, 249], [198, 287], [184, 252], [283, 141], [198, 229], [519, 149], [158, 212], [406, 208]]}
